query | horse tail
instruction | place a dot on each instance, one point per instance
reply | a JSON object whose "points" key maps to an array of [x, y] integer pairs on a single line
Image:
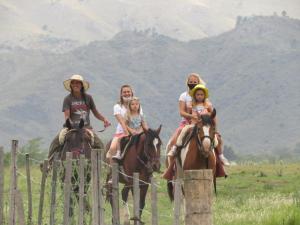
{"points": [[170, 190]]}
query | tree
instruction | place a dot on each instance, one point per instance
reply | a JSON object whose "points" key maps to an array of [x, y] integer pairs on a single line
{"points": [[284, 13], [36, 152]]}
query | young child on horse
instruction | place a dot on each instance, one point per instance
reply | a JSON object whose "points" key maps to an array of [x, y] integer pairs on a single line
{"points": [[199, 106], [121, 110], [134, 121]]}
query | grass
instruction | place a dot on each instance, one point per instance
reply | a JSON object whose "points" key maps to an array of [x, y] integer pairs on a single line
{"points": [[260, 194]]}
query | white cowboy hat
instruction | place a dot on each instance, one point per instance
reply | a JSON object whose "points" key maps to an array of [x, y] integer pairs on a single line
{"points": [[67, 83]]}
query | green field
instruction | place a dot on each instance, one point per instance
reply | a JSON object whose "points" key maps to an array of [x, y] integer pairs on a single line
{"points": [[263, 193]]}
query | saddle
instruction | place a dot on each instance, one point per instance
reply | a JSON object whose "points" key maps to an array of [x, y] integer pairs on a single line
{"points": [[127, 142]]}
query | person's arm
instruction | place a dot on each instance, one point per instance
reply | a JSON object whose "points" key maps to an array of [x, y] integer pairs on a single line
{"points": [[123, 123], [99, 116], [182, 110], [67, 114], [210, 110], [144, 125]]}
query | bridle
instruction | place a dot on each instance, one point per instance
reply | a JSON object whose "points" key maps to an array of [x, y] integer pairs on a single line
{"points": [[79, 150], [147, 162], [200, 142]]}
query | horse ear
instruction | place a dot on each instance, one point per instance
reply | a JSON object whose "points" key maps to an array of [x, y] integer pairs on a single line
{"points": [[68, 124], [81, 123], [159, 129], [214, 113]]}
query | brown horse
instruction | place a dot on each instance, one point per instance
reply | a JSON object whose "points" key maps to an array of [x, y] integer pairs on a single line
{"points": [[198, 149], [77, 141], [143, 156]]}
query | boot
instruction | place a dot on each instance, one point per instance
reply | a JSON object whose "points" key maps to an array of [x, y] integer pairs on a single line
{"points": [[224, 160], [168, 174]]}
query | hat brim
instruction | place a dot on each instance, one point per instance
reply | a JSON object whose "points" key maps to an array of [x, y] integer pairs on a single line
{"points": [[67, 84], [192, 92]]}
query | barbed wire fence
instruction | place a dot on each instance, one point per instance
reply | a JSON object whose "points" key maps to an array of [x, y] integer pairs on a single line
{"points": [[41, 197]]}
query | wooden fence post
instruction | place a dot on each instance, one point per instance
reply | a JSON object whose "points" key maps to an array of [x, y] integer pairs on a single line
{"points": [[67, 189], [95, 188], [177, 201], [55, 167], [81, 207], [20, 208], [154, 201], [136, 198], [100, 185], [42, 193], [198, 197], [115, 194], [13, 183], [29, 193], [1, 184]]}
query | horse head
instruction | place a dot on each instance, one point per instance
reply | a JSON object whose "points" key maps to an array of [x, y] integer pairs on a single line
{"points": [[152, 146], [77, 140], [205, 130]]}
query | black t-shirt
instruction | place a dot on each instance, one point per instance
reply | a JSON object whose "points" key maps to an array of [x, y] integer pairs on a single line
{"points": [[79, 109]]}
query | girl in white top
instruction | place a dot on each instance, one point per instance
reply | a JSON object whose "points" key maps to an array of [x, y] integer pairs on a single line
{"points": [[185, 106], [185, 111], [120, 112]]}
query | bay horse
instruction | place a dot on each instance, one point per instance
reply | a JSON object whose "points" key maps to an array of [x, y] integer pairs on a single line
{"points": [[142, 155], [197, 150]]}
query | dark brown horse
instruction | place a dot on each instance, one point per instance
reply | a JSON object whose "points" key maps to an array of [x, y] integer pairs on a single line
{"points": [[198, 149], [78, 141], [143, 156]]}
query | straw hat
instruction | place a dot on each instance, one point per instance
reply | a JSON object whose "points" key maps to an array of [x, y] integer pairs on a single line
{"points": [[67, 83], [197, 87]]}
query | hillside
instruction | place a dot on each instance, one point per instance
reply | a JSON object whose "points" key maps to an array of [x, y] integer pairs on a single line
{"points": [[251, 72]]}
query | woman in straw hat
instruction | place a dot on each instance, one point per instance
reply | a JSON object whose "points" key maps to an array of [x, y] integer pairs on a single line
{"points": [[76, 106]]}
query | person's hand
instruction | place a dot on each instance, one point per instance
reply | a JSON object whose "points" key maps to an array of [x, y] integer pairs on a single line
{"points": [[134, 132], [106, 123], [195, 117]]}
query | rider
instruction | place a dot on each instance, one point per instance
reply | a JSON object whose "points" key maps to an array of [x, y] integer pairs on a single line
{"points": [[135, 123], [120, 112], [76, 106], [199, 107], [185, 110]]}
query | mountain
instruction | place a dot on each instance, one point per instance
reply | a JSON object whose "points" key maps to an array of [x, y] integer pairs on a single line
{"points": [[32, 24], [251, 72]]}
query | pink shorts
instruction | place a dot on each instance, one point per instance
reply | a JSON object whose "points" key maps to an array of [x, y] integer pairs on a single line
{"points": [[119, 135], [182, 124]]}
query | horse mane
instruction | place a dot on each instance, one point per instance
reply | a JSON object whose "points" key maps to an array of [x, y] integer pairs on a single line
{"points": [[206, 119]]}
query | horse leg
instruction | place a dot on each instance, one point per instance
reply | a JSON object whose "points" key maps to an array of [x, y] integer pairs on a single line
{"points": [[143, 192], [125, 192]]}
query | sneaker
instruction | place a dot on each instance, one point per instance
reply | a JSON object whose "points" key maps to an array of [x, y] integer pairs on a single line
{"points": [[117, 156], [224, 160]]}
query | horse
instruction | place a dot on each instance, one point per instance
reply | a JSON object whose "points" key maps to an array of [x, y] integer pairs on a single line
{"points": [[141, 155], [78, 141], [197, 150]]}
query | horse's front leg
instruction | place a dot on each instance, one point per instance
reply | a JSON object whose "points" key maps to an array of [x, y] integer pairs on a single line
{"points": [[125, 192], [143, 193]]}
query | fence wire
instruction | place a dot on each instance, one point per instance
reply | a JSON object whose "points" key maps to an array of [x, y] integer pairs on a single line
{"points": [[59, 209]]}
